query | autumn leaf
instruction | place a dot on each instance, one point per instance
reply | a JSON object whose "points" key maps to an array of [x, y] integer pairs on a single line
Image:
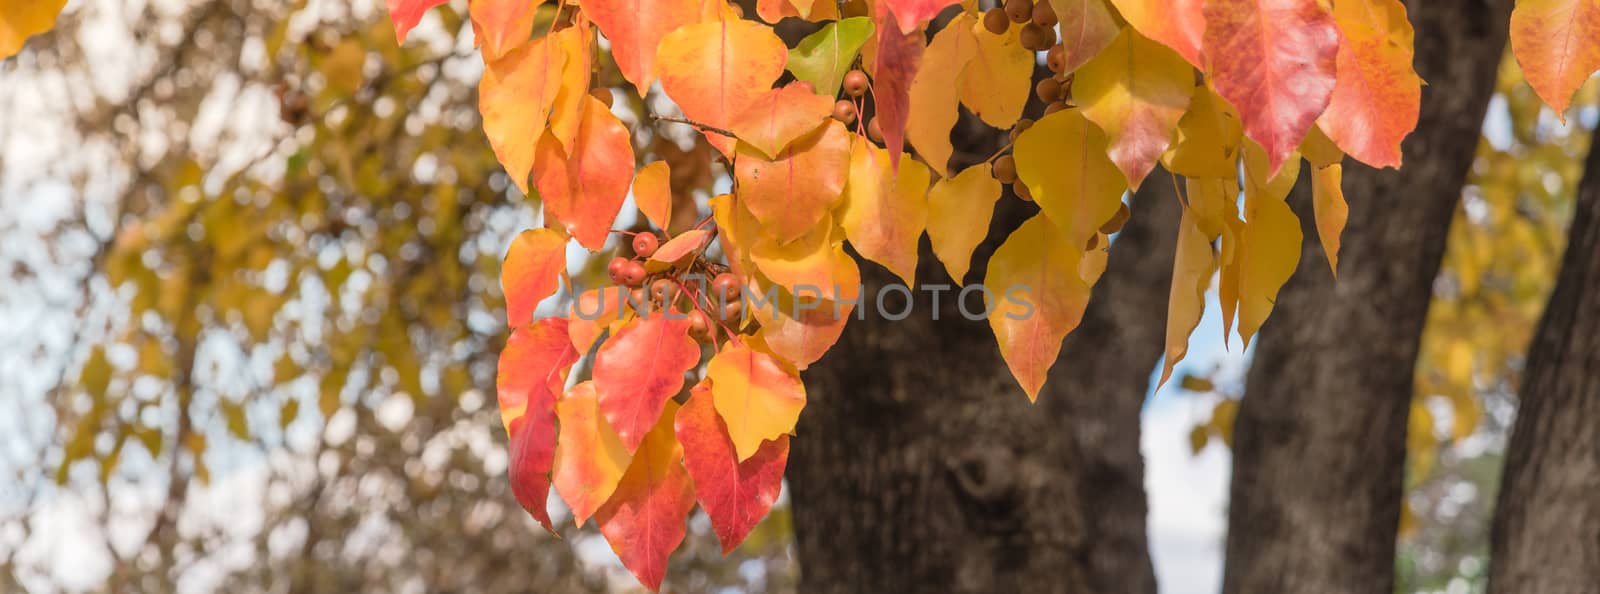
{"points": [[1209, 136], [1087, 27], [934, 92], [1063, 161], [641, 367], [736, 495], [822, 58], [515, 97], [758, 396], [501, 25], [23, 19], [591, 312], [405, 14], [898, 56], [1327, 199], [998, 79], [1135, 90], [1192, 266], [884, 213], [533, 369], [791, 193], [910, 14], [959, 210], [576, 42], [532, 271], [816, 261], [652, 193], [635, 28], [1378, 96], [1279, 66], [583, 190], [716, 70], [590, 458], [681, 246], [1177, 24], [1557, 43], [781, 116], [802, 331], [644, 521], [1040, 298], [1271, 241]]}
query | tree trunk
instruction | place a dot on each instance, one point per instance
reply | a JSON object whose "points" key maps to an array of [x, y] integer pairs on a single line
{"points": [[923, 468], [1547, 522], [1320, 439]]}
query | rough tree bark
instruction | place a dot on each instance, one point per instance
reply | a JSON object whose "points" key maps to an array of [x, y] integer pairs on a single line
{"points": [[1546, 534], [1320, 440], [923, 467]]}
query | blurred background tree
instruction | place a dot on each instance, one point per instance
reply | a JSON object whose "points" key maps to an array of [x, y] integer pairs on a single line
{"points": [[252, 313]]}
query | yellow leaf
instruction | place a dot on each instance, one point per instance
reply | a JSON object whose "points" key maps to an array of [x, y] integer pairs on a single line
{"points": [[1038, 298], [1063, 161], [815, 263], [1191, 274], [997, 81], [1271, 239], [1136, 90], [959, 210], [757, 395], [1208, 138], [1327, 198], [934, 91], [883, 213]]}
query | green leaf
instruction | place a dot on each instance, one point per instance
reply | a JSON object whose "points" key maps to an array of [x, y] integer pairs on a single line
{"points": [[823, 58]]}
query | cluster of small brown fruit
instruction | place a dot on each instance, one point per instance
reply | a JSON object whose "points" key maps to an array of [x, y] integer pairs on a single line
{"points": [[679, 288], [1038, 20]]}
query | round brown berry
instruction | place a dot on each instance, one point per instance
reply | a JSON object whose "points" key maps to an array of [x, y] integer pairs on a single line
{"points": [[699, 326], [996, 21], [845, 111], [874, 131], [664, 291], [1021, 126], [1056, 58], [1036, 37], [615, 268], [633, 274], [645, 244], [1048, 90], [1019, 11], [731, 311], [1021, 190], [727, 285], [1044, 14], [855, 83], [1005, 169]]}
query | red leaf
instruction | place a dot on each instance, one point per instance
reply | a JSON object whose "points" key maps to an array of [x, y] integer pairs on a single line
{"points": [[1378, 97], [407, 13], [637, 370], [736, 495], [910, 14], [644, 519], [1274, 60], [896, 65], [532, 371], [584, 190], [532, 271], [635, 28]]}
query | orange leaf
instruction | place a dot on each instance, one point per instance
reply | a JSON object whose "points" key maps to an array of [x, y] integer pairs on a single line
{"points": [[645, 518], [1378, 96], [577, 44], [532, 371], [1135, 90], [501, 25], [585, 188], [1274, 60], [591, 312], [758, 396], [934, 91], [680, 247], [899, 54], [1557, 43], [532, 271], [590, 458], [635, 28], [816, 263], [639, 368], [802, 331], [1039, 298], [959, 210], [716, 70], [407, 13], [781, 116], [884, 213], [736, 495], [791, 193], [1177, 24], [652, 192], [911, 14], [515, 97], [1087, 27]]}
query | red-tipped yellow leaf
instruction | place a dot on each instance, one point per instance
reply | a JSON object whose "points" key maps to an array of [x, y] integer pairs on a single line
{"points": [[780, 117], [532, 271], [757, 396], [1378, 96], [1087, 27], [644, 521], [1135, 90], [1039, 298], [405, 14], [908, 15], [515, 97], [791, 193], [884, 213], [1178, 24], [641, 367], [1274, 60], [736, 495], [959, 210], [652, 193], [716, 70], [635, 28], [590, 457], [934, 91], [1557, 42], [532, 371], [584, 189], [895, 65]]}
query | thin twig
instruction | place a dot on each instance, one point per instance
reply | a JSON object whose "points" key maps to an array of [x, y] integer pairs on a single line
{"points": [[702, 126]]}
